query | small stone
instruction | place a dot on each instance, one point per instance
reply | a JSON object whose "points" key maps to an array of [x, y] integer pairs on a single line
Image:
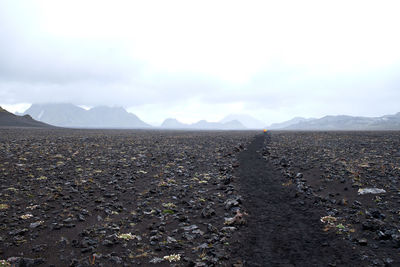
{"points": [[388, 261], [363, 191], [36, 224], [156, 260], [88, 249], [363, 241], [171, 240], [228, 229], [18, 232], [116, 259], [107, 243], [190, 228]]}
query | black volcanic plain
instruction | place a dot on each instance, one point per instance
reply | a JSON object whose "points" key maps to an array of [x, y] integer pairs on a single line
{"points": [[230, 198]]}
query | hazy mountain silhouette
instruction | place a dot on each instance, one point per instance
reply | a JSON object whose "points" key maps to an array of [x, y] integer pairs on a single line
{"points": [[230, 125], [288, 123], [247, 120], [343, 122], [203, 125], [116, 117], [69, 115], [7, 119], [173, 124]]}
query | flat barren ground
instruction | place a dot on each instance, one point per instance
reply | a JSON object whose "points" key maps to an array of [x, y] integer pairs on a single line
{"points": [[165, 198], [322, 199], [117, 198]]}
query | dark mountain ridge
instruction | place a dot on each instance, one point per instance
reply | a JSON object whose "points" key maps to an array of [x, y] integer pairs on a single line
{"points": [[7, 119]]}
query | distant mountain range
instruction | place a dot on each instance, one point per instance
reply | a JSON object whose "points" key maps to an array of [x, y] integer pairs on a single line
{"points": [[247, 120], [68, 115], [285, 124], [7, 119], [230, 122], [341, 123], [203, 125]]}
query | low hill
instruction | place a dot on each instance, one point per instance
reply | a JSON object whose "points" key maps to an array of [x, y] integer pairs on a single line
{"points": [[7, 119]]}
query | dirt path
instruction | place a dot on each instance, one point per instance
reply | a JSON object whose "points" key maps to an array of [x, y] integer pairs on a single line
{"points": [[282, 229]]}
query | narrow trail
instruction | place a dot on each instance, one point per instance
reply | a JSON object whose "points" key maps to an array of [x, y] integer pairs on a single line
{"points": [[282, 229]]}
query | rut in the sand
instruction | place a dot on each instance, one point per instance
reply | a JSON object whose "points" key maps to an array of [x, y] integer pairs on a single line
{"points": [[283, 230]]}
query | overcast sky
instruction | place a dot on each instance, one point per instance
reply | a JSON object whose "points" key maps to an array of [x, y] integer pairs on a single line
{"points": [[195, 60]]}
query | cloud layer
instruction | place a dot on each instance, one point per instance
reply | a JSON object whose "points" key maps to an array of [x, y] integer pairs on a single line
{"points": [[203, 60]]}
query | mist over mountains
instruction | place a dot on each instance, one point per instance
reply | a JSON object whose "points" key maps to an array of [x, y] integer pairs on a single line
{"points": [[285, 124], [69, 115], [203, 125], [341, 123], [247, 121]]}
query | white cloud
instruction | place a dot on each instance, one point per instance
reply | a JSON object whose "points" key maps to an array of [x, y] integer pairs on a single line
{"points": [[192, 60], [20, 107]]}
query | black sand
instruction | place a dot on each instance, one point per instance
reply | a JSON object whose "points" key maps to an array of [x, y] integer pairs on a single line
{"points": [[282, 229]]}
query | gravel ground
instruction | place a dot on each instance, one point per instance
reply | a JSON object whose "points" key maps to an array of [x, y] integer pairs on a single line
{"points": [[91, 197], [177, 198], [350, 180]]}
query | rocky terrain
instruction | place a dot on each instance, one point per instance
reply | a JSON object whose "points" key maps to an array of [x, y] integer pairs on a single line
{"points": [[352, 180], [170, 198], [123, 198]]}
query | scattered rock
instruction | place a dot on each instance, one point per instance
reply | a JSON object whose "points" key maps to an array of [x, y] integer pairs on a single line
{"points": [[363, 191]]}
